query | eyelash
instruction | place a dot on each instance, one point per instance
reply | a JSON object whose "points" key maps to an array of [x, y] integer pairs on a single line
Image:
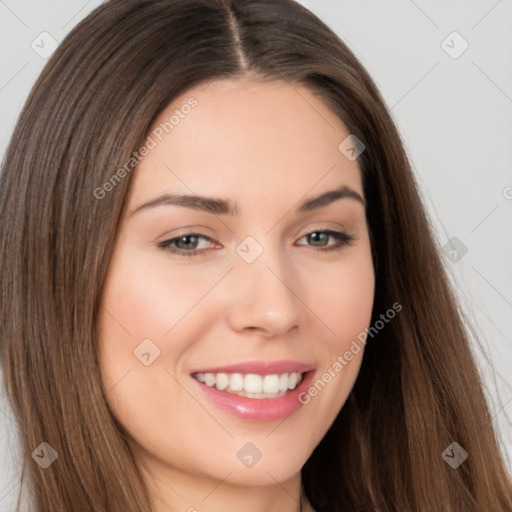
{"points": [[343, 240]]}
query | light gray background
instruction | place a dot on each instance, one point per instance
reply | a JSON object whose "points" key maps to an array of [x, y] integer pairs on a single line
{"points": [[455, 117]]}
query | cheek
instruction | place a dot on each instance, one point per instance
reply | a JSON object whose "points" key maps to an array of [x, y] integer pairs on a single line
{"points": [[136, 312], [138, 308], [148, 296], [342, 298], [146, 300]]}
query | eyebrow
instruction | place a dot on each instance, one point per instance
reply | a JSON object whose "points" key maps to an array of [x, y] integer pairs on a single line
{"points": [[218, 206]]}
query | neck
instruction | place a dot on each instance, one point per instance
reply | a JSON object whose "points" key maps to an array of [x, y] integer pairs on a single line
{"points": [[174, 491]]}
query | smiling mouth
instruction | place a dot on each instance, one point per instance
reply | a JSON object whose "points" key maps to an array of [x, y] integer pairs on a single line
{"points": [[252, 385]]}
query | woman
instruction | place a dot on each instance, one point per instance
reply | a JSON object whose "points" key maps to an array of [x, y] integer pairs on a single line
{"points": [[273, 371]]}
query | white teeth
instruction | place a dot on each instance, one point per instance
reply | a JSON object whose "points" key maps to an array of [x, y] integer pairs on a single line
{"points": [[271, 384], [292, 380], [251, 385], [209, 379], [283, 382], [236, 382], [222, 381]]}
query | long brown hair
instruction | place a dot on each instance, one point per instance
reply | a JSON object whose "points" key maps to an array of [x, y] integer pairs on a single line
{"points": [[418, 389]]}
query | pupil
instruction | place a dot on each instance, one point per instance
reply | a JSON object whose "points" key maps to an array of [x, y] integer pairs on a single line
{"points": [[316, 236], [187, 237]]}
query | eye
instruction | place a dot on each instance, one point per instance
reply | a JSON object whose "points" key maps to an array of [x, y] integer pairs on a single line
{"points": [[342, 239], [186, 244]]}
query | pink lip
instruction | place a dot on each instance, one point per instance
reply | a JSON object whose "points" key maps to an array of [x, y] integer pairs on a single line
{"points": [[260, 368], [258, 409]]}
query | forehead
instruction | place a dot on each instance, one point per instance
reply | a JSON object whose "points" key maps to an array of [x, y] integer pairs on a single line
{"points": [[245, 139]]}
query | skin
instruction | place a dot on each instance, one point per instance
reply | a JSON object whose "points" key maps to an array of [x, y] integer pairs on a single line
{"points": [[267, 146]]}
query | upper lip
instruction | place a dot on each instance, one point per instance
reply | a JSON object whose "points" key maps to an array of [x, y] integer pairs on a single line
{"points": [[260, 367]]}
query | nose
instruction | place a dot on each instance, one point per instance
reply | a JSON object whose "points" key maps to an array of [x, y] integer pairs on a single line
{"points": [[263, 296]]}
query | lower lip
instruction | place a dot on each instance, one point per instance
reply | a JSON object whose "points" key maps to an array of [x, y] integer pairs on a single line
{"points": [[259, 409]]}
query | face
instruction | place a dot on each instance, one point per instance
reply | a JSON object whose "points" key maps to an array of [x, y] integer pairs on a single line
{"points": [[211, 310]]}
